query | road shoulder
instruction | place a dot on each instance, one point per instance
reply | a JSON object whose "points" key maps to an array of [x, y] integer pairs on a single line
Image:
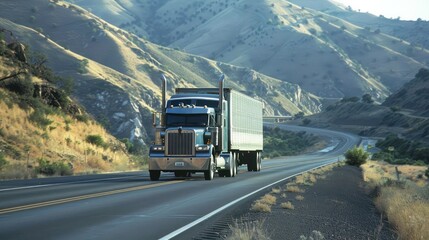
{"points": [[337, 207]]}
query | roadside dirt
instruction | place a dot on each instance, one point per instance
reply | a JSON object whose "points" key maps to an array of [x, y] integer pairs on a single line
{"points": [[337, 207]]}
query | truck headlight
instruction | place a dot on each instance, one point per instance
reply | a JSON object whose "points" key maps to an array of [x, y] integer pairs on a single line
{"points": [[202, 148], [158, 148]]}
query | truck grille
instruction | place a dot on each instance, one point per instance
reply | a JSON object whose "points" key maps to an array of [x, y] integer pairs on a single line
{"points": [[180, 144]]}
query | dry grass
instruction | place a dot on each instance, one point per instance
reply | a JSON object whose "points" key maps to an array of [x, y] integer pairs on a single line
{"points": [[299, 197], [16, 171], [291, 187], [258, 206], [248, 231], [264, 203], [276, 190], [62, 140], [283, 195], [308, 179], [405, 203], [287, 205], [315, 235]]}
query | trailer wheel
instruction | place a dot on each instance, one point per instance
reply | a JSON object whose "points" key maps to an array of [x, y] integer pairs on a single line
{"points": [[209, 174], [154, 175], [250, 165], [252, 161], [235, 164]]}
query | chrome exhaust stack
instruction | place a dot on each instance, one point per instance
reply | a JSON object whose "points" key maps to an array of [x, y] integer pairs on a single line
{"points": [[220, 113], [163, 103], [160, 127]]}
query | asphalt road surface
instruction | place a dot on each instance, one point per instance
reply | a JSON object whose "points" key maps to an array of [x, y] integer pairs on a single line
{"points": [[130, 206]]}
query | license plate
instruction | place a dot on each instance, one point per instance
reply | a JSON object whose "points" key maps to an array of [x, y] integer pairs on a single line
{"points": [[179, 164]]}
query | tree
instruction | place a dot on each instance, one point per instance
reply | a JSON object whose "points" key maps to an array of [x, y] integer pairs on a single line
{"points": [[299, 115], [366, 98], [306, 121], [356, 156]]}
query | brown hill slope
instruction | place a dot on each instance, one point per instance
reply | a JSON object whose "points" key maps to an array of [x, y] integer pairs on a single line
{"points": [[117, 73], [321, 51], [39, 123]]}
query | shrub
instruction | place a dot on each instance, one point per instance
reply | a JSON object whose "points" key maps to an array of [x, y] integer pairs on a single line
{"points": [[82, 118], [96, 140], [3, 161], [287, 205], [427, 173], [367, 98], [83, 64], [39, 118], [19, 86], [356, 156], [306, 121], [248, 230], [57, 168]]}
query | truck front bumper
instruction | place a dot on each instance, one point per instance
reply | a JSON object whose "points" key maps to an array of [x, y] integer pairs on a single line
{"points": [[163, 163]]}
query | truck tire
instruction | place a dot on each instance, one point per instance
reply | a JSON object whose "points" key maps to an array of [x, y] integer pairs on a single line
{"points": [[236, 164], [250, 165], [252, 161], [235, 170], [232, 168], [209, 174], [258, 161], [154, 175]]}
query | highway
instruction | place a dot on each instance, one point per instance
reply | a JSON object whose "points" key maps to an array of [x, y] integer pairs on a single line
{"points": [[130, 206]]}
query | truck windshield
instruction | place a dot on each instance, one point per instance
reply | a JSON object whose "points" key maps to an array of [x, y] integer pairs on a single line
{"points": [[197, 120]]}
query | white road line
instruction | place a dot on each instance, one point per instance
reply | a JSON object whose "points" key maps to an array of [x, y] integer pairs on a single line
{"points": [[63, 183], [203, 218]]}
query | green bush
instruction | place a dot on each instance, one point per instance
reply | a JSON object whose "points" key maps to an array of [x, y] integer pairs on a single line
{"points": [[96, 140], [23, 87], [3, 161], [356, 156], [82, 118], [57, 168], [39, 118]]}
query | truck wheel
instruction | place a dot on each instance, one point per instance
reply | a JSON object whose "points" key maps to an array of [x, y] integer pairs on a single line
{"points": [[252, 161], [250, 164], [209, 174], [232, 169], [154, 175], [235, 164], [258, 161]]}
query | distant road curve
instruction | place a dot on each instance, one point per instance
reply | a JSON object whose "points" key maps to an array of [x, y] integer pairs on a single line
{"points": [[129, 206]]}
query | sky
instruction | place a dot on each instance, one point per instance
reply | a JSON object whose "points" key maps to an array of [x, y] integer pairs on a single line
{"points": [[405, 9]]}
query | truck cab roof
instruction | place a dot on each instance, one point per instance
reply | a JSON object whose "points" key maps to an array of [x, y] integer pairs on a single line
{"points": [[200, 100]]}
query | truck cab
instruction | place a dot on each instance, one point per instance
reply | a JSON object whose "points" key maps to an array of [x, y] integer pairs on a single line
{"points": [[192, 134]]}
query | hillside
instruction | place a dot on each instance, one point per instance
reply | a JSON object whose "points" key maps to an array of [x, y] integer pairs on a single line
{"points": [[413, 96], [117, 74], [402, 114], [43, 132], [328, 50]]}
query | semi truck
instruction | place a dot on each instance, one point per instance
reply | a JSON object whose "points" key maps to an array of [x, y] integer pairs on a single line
{"points": [[206, 130]]}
